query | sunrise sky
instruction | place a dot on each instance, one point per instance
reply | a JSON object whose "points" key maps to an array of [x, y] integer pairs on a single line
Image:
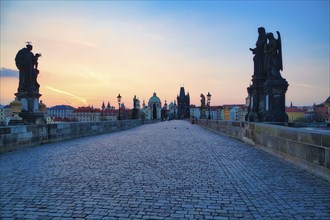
{"points": [[93, 50]]}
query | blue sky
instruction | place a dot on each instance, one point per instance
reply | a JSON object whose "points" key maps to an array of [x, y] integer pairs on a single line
{"points": [[97, 49]]}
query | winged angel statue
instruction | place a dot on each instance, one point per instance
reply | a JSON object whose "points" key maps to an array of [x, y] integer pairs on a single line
{"points": [[273, 56]]}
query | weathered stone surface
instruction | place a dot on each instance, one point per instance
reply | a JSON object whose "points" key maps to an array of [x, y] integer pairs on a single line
{"points": [[326, 141], [305, 148], [18, 129], [151, 172]]}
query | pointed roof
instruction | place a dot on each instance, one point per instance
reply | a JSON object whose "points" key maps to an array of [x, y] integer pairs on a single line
{"points": [[182, 92]]}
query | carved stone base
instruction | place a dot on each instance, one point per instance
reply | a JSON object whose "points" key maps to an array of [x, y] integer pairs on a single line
{"points": [[15, 122], [33, 118], [257, 98], [275, 100], [275, 117], [30, 107]]}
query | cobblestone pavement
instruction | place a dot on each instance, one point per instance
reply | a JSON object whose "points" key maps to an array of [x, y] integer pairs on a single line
{"points": [[168, 170]]}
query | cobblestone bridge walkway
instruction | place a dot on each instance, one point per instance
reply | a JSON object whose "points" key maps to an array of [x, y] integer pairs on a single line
{"points": [[167, 170]]}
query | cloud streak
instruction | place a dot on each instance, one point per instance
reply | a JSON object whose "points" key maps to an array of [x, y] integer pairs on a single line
{"points": [[8, 73], [80, 99], [307, 86]]}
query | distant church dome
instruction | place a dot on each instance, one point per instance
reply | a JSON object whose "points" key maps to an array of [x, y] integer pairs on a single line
{"points": [[154, 100]]}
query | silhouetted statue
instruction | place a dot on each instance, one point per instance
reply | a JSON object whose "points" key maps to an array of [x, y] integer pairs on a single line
{"points": [[35, 60], [202, 108], [27, 64], [28, 87], [24, 62], [273, 59], [259, 57], [202, 101], [267, 92], [135, 102], [35, 72]]}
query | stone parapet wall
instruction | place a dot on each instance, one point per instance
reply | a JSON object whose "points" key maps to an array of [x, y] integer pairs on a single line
{"points": [[308, 149], [17, 137]]}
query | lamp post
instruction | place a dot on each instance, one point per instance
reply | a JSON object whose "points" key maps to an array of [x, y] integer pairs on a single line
{"points": [[208, 103], [119, 100]]}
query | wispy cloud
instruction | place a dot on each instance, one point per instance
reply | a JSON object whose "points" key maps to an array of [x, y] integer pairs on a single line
{"points": [[307, 86], [4, 72], [80, 99]]}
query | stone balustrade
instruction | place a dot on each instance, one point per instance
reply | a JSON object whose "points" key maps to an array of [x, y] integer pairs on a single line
{"points": [[16, 137]]}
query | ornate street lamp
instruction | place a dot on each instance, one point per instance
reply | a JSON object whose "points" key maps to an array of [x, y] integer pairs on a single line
{"points": [[119, 100], [208, 103]]}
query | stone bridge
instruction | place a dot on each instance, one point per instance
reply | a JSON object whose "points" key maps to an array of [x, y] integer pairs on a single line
{"points": [[168, 170]]}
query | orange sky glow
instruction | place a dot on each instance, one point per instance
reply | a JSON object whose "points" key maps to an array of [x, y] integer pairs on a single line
{"points": [[93, 52]]}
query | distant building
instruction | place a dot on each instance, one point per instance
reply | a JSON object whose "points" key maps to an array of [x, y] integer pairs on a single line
{"points": [[145, 111], [234, 112], [309, 114], [155, 106], [226, 112], [214, 112], [195, 112], [106, 108], [183, 104], [322, 111], [172, 111], [153, 110], [60, 112], [295, 114], [86, 114], [108, 114]]}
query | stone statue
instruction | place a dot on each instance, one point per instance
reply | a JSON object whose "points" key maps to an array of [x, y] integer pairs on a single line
{"points": [[259, 57], [27, 64], [202, 101], [273, 60], [24, 62], [35, 60], [202, 108], [35, 72], [28, 87], [135, 102], [267, 92]]}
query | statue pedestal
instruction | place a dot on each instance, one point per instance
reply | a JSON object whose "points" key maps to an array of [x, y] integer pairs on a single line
{"points": [[267, 99], [30, 107], [33, 117], [274, 90], [255, 91], [135, 114], [16, 120]]}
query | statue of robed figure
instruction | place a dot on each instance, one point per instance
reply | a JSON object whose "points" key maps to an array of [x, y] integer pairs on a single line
{"points": [[28, 87], [267, 92], [273, 56], [202, 108], [259, 53], [27, 64]]}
